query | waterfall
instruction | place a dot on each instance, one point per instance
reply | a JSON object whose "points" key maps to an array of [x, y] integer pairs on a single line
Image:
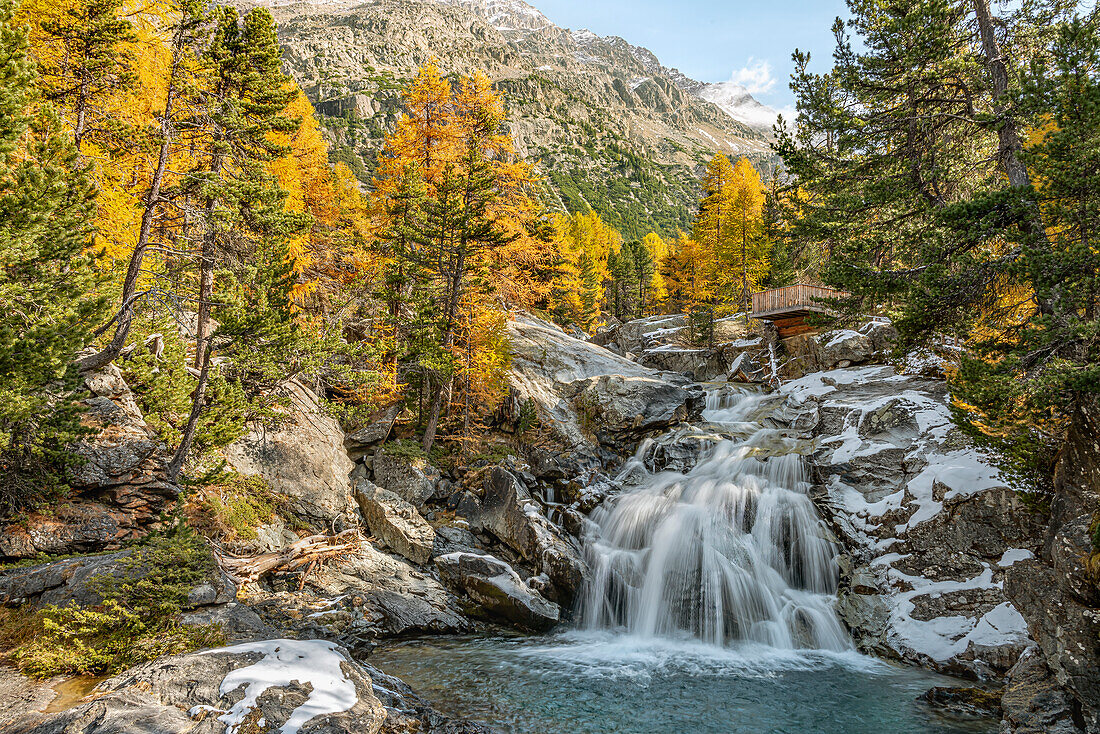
{"points": [[732, 550]]}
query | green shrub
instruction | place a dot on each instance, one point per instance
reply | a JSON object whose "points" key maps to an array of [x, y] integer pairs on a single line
{"points": [[138, 621], [528, 417], [233, 508]]}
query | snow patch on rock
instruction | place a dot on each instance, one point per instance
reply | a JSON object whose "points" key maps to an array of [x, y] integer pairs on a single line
{"points": [[314, 662]]}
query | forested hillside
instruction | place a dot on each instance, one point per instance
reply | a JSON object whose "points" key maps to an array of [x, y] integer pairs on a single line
{"points": [[608, 127]]}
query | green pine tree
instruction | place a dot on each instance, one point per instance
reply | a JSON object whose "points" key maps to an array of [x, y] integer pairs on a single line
{"points": [[644, 270], [244, 225], [46, 282], [92, 63], [1040, 357], [886, 141]]}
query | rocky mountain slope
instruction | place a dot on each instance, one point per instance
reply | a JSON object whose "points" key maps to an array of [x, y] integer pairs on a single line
{"points": [[611, 127]]}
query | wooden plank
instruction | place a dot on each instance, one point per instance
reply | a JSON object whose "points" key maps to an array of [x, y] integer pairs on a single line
{"points": [[793, 299]]}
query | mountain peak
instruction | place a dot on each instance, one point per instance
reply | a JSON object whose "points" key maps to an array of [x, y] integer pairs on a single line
{"points": [[736, 101]]}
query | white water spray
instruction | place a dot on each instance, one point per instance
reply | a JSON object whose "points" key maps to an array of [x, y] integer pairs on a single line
{"points": [[732, 550]]}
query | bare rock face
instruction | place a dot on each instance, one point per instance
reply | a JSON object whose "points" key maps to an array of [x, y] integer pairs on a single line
{"points": [[930, 526], [119, 492], [507, 511], [1033, 702], [395, 522], [1054, 590], [498, 589], [313, 685], [590, 396], [303, 459]]}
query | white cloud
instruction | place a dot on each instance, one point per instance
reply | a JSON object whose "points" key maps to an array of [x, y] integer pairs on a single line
{"points": [[755, 76], [790, 114]]}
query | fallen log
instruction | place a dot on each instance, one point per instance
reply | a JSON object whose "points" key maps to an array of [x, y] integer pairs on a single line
{"points": [[310, 550]]}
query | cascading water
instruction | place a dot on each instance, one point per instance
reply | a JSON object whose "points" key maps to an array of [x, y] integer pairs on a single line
{"points": [[709, 572], [731, 550]]}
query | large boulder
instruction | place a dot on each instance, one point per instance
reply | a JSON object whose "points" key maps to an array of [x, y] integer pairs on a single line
{"points": [[497, 588], [303, 459], [395, 522], [367, 596], [882, 333], [696, 363], [808, 353], [929, 524], [582, 391], [79, 580], [507, 510], [411, 478], [286, 685], [377, 429], [844, 348], [635, 336]]}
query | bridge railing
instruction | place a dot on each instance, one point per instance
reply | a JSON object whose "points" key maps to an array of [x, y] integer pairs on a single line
{"points": [[793, 297]]}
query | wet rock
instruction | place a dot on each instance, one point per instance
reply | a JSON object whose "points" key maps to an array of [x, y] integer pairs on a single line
{"points": [[412, 479], [965, 701], [677, 451], [299, 683], [395, 522], [303, 459], [498, 589]]}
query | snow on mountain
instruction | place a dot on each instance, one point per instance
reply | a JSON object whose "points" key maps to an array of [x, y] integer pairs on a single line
{"points": [[735, 101]]}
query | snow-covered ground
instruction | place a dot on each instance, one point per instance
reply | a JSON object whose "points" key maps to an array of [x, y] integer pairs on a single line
{"points": [[923, 513]]}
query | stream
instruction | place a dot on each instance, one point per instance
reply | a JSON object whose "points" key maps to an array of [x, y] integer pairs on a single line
{"points": [[708, 609]]}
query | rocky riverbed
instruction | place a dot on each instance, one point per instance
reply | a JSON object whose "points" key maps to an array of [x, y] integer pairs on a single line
{"points": [[941, 565]]}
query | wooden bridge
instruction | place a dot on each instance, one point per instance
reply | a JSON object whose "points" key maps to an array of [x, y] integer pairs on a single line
{"points": [[788, 307]]}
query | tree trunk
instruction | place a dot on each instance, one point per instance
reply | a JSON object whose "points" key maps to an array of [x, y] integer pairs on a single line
{"points": [[206, 290], [188, 440], [433, 415], [137, 257], [1009, 145], [444, 391], [206, 269]]}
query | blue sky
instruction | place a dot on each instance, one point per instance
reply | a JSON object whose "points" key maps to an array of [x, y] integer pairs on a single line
{"points": [[714, 40]]}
